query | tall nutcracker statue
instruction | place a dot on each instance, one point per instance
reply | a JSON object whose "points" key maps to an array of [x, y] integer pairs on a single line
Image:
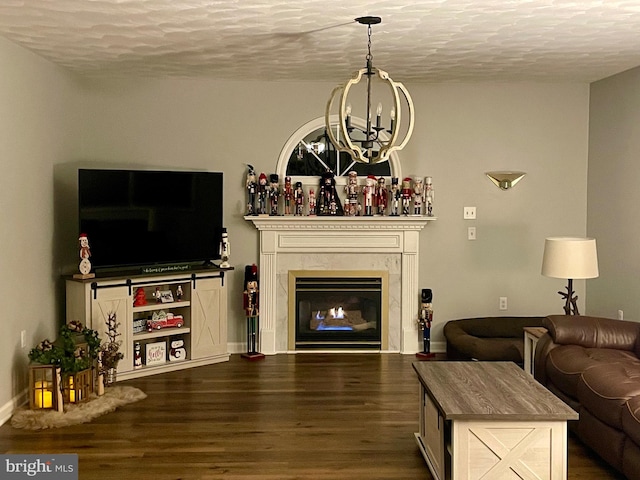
{"points": [[85, 252], [394, 197], [406, 194], [425, 317], [251, 310], [274, 193]]}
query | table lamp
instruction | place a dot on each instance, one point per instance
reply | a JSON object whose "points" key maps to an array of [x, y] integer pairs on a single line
{"points": [[570, 258]]}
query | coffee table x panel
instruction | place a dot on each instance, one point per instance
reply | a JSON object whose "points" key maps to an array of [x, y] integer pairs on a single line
{"points": [[488, 420]]}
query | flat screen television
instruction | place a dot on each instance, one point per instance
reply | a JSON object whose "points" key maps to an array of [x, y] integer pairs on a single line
{"points": [[146, 218]]}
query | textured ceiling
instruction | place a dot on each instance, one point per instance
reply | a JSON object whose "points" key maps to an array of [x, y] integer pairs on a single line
{"points": [[418, 40]]}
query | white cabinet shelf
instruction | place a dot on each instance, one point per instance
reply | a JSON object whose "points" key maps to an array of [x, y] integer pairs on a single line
{"points": [[202, 306]]}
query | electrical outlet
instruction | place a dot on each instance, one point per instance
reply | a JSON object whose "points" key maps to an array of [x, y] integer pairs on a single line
{"points": [[23, 338], [469, 213], [471, 233], [503, 303]]}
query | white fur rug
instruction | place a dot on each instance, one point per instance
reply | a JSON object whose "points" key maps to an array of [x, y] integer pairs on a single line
{"points": [[74, 414]]}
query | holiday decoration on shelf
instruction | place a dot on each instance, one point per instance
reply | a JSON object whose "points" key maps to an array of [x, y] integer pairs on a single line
{"points": [[368, 193], [328, 202], [394, 197], [85, 252], [225, 250], [177, 352], [429, 195], [287, 194], [263, 192], [351, 204], [418, 195], [180, 293], [381, 196], [425, 318], [252, 190], [298, 195], [251, 309], [137, 355], [274, 193], [140, 298], [312, 203], [406, 194]]}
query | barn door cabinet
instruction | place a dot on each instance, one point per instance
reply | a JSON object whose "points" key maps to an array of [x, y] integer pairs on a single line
{"points": [[167, 322]]}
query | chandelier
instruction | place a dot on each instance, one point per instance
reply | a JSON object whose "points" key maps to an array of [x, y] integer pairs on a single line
{"points": [[366, 140]]}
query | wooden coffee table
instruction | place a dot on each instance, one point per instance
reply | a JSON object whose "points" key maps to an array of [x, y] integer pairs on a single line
{"points": [[490, 420]]}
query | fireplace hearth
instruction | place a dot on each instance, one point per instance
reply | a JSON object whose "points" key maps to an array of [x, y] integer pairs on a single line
{"points": [[337, 312]]}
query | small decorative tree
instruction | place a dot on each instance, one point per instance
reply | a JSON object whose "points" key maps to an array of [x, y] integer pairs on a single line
{"points": [[110, 351]]}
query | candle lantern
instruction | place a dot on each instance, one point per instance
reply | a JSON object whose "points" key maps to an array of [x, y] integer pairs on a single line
{"points": [[44, 387], [77, 387]]}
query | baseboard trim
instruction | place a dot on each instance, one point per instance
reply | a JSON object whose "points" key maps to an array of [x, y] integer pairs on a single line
{"points": [[7, 410]]}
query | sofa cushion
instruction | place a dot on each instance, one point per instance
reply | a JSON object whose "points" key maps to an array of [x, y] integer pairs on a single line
{"points": [[566, 363], [605, 389], [631, 419]]}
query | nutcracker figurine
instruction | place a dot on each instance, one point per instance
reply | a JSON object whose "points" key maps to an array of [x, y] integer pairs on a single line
{"points": [[252, 190], [298, 195], [287, 194], [369, 193], [312, 203], [418, 195], [263, 193], [394, 197], [425, 317], [406, 194], [225, 249], [381, 196], [351, 207], [274, 193], [251, 299], [429, 195]]}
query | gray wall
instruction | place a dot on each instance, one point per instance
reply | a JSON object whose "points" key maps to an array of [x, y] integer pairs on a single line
{"points": [[39, 107], [614, 196], [461, 131], [53, 122]]}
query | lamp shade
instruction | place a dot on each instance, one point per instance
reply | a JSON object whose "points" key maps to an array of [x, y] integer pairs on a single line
{"points": [[570, 258]]}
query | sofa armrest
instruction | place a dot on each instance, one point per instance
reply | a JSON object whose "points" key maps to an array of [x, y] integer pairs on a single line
{"points": [[593, 332]]}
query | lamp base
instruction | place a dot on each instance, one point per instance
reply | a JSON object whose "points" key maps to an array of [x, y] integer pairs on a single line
{"points": [[571, 300]]}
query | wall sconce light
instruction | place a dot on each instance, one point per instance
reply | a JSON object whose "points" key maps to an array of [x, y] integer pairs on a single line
{"points": [[505, 180]]}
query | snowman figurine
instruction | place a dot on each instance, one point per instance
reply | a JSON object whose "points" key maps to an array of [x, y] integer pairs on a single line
{"points": [[85, 253], [177, 352]]}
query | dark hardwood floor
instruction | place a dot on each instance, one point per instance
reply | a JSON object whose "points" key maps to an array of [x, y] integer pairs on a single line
{"points": [[306, 416]]}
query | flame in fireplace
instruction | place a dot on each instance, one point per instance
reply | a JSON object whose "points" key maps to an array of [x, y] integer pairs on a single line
{"points": [[336, 312], [319, 316]]}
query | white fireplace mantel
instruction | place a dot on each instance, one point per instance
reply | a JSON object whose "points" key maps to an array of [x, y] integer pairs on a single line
{"points": [[332, 243]]}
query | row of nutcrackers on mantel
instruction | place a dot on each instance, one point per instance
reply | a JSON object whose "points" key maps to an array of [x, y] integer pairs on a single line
{"points": [[414, 196]]}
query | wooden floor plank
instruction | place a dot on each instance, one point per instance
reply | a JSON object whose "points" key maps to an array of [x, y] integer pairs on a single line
{"points": [[306, 416]]}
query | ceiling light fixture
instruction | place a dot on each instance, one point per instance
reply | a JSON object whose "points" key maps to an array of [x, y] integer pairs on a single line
{"points": [[374, 143]]}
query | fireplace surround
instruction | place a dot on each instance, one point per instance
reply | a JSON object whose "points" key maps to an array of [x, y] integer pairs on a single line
{"points": [[320, 244]]}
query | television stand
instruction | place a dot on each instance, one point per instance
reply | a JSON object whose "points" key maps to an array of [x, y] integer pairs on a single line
{"points": [[187, 314]]}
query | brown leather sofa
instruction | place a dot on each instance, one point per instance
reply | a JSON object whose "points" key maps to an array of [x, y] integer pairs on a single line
{"points": [[488, 338], [593, 365]]}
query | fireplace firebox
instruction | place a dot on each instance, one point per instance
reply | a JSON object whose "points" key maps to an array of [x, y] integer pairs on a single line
{"points": [[339, 311]]}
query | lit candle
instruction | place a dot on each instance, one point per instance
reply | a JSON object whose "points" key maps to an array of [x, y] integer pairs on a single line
{"points": [[44, 395], [378, 114], [72, 392], [392, 114], [348, 113]]}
